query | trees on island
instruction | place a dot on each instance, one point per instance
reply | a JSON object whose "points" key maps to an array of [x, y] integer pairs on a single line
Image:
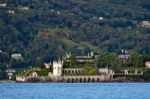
{"points": [[108, 60], [113, 61], [73, 61], [90, 70], [39, 63]]}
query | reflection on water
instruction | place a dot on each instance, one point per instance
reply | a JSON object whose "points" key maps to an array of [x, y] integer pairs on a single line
{"points": [[74, 91]]}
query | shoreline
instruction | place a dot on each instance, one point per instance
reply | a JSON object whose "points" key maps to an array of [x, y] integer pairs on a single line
{"points": [[69, 82], [57, 80], [79, 82], [7, 81]]}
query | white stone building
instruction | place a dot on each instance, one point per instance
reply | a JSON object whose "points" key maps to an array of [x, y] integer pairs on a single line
{"points": [[101, 18], [147, 64], [20, 78], [57, 68], [11, 11], [34, 74], [47, 65], [145, 24], [23, 8], [10, 73], [3, 5], [16, 56], [106, 71]]}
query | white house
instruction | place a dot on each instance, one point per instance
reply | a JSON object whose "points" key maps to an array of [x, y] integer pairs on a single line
{"points": [[34, 74], [101, 18], [47, 65], [145, 24], [147, 64], [10, 73], [24, 8], [16, 56], [3, 5], [20, 78], [124, 55], [105, 71], [11, 11]]}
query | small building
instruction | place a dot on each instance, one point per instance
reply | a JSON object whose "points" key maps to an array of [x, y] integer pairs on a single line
{"points": [[101, 18], [20, 78], [147, 64], [145, 24], [58, 12], [3, 5], [11, 11], [82, 59], [106, 71], [47, 65], [124, 55], [52, 10], [23, 8], [10, 73], [16, 56], [34, 74]]}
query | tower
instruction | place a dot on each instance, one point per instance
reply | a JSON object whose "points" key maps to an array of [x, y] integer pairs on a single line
{"points": [[57, 68]]}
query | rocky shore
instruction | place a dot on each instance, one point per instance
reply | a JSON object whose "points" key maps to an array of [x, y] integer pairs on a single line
{"points": [[126, 79], [48, 80]]}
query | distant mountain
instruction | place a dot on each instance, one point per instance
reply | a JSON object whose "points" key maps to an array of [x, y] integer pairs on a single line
{"points": [[49, 28]]}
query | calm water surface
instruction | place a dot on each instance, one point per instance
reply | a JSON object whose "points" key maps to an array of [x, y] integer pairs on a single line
{"points": [[74, 91]]}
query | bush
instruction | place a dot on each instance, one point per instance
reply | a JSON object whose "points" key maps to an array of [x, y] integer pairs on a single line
{"points": [[43, 72]]}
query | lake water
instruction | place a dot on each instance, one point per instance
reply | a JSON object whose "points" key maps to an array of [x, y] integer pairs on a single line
{"points": [[74, 91]]}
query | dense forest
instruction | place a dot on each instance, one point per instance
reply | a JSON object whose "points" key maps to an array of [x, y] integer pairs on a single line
{"points": [[42, 30]]}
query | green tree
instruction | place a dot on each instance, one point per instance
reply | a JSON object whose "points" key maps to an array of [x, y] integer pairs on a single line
{"points": [[135, 60], [109, 60], [39, 62], [2, 75], [4, 57], [146, 58], [16, 63], [73, 61], [90, 70]]}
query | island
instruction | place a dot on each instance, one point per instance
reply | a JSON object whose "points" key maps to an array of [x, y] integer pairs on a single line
{"points": [[83, 69]]}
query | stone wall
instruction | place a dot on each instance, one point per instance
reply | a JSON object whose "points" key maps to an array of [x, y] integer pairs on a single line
{"points": [[95, 78]]}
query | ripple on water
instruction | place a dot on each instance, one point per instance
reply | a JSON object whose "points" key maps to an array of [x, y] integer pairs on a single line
{"points": [[74, 90]]}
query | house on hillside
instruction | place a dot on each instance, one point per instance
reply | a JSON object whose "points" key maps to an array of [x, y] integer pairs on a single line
{"points": [[3, 5], [10, 73], [23, 8], [11, 11], [81, 59], [145, 24], [16, 56], [101, 18], [147, 64], [124, 55]]}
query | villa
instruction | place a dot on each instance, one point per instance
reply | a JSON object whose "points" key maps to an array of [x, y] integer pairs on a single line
{"points": [[147, 64], [16, 56], [10, 73], [145, 24], [60, 73], [3, 5]]}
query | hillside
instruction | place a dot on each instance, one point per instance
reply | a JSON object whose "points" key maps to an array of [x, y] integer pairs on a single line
{"points": [[47, 29]]}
